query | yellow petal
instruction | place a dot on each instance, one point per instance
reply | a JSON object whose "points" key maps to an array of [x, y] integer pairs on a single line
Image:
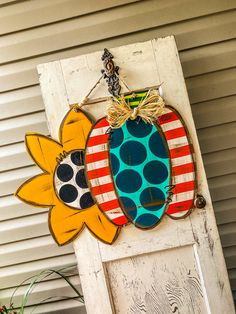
{"points": [[74, 130], [37, 191], [66, 223], [43, 150], [101, 227]]}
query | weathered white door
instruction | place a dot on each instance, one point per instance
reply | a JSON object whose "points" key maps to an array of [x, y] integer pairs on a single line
{"points": [[178, 267]]}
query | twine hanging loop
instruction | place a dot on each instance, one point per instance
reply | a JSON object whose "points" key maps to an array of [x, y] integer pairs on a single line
{"points": [[118, 110]]}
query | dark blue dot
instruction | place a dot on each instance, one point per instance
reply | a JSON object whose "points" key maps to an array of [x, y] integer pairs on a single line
{"points": [[117, 137], [86, 200], [78, 158], [80, 179], [133, 153], [152, 199], [115, 164], [68, 193], [146, 221], [128, 181], [157, 146], [65, 172], [138, 128], [155, 172], [130, 207]]}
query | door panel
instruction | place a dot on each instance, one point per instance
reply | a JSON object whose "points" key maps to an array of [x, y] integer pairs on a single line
{"points": [[177, 267], [163, 282]]}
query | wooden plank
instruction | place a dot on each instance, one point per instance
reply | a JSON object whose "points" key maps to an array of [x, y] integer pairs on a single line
{"points": [[28, 14], [52, 79], [149, 297], [77, 32], [200, 220]]}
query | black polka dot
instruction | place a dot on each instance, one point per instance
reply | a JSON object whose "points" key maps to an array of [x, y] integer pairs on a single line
{"points": [[128, 181], [146, 221], [130, 207], [65, 172], [68, 193], [133, 153], [156, 145], [78, 158], [115, 164], [152, 199], [80, 179], [155, 172], [86, 200], [117, 137], [138, 128]]}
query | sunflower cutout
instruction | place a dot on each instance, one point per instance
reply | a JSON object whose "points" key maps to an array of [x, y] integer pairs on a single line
{"points": [[63, 185]]}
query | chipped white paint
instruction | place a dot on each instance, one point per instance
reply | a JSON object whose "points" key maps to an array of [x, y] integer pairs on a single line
{"points": [[176, 267]]}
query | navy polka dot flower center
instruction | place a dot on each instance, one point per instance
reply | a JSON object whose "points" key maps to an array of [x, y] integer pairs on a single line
{"points": [[70, 181]]}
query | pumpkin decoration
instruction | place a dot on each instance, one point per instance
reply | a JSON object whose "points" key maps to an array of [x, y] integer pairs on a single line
{"points": [[132, 166]]}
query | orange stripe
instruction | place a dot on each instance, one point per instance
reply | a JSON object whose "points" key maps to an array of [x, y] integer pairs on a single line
{"points": [[104, 188], [97, 173], [177, 170], [184, 187], [97, 140], [175, 133], [167, 117], [180, 151], [179, 207], [96, 157]]}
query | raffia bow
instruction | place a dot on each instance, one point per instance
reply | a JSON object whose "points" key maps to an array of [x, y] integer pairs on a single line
{"points": [[118, 110]]}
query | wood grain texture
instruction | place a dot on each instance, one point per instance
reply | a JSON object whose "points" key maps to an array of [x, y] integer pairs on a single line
{"points": [[198, 232], [164, 282]]}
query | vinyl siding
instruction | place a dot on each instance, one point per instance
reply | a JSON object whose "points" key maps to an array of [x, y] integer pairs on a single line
{"points": [[34, 32]]}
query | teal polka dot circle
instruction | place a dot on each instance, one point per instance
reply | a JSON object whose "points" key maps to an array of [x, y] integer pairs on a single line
{"points": [[141, 171]]}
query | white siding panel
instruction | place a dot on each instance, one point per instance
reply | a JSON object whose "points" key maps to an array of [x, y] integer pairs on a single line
{"points": [[31, 249], [9, 181], [35, 32], [33, 13], [11, 276], [114, 23], [11, 207], [19, 102]]}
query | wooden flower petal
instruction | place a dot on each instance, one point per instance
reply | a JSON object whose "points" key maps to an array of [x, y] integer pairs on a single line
{"points": [[43, 150], [74, 130], [66, 223], [37, 191]]}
